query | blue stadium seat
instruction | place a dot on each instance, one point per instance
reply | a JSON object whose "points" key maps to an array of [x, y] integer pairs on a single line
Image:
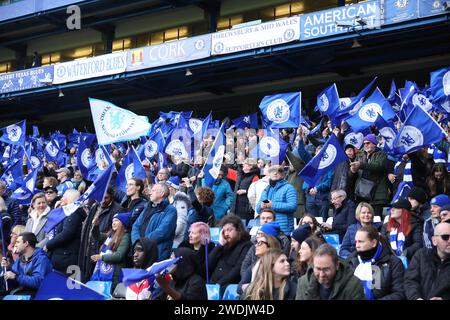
{"points": [[101, 286], [231, 292], [14, 297], [215, 234], [405, 261], [213, 291], [332, 238]]}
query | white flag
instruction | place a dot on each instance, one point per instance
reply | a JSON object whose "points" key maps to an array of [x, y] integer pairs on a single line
{"points": [[114, 124]]}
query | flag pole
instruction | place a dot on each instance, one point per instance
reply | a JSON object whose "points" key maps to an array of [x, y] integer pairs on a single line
{"points": [[4, 253], [206, 258]]}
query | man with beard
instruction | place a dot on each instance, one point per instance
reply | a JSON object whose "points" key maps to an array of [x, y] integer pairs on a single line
{"points": [[226, 258]]}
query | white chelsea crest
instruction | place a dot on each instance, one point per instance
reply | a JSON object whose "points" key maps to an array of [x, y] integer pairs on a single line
{"points": [[278, 111], [269, 146], [410, 137], [86, 157], [328, 156], [369, 112], [150, 148], [14, 132], [217, 161], [325, 103], [446, 83]]}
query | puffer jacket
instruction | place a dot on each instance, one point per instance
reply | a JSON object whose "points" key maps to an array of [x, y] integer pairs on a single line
{"points": [[284, 202], [223, 198], [157, 223]]}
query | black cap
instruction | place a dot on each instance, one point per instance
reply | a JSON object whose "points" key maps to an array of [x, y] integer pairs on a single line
{"points": [[50, 188], [401, 204], [418, 194]]}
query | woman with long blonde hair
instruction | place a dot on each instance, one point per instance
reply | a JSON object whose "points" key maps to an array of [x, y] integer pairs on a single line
{"points": [[273, 279]]}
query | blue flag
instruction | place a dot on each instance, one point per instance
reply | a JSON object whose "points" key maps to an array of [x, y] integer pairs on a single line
{"points": [[57, 286], [281, 110], [215, 158], [349, 106], [85, 159], [54, 153], [327, 159], [247, 121], [367, 114], [388, 132], [272, 147], [131, 168], [419, 130], [35, 132], [13, 175], [440, 84], [131, 276], [154, 145], [114, 124], [328, 101], [14, 134], [96, 192], [26, 191]]}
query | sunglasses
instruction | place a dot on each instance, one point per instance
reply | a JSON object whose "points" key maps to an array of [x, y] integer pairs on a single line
{"points": [[444, 237]]}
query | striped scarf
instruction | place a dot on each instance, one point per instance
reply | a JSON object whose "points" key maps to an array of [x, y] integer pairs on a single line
{"points": [[407, 175], [397, 241], [364, 272], [438, 155], [104, 271]]}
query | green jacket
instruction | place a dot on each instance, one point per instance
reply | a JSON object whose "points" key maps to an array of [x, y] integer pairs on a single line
{"points": [[345, 287], [118, 258], [376, 170], [293, 178]]}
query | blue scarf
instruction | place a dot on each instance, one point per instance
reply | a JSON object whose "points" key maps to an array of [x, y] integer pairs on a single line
{"points": [[104, 271], [364, 272], [397, 241]]}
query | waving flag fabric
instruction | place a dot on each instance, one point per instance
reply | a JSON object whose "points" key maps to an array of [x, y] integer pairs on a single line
{"points": [[131, 168], [440, 84], [367, 114], [114, 124], [26, 191], [95, 192], [14, 134], [327, 159], [246, 121], [131, 276], [215, 158], [419, 130], [281, 110]]}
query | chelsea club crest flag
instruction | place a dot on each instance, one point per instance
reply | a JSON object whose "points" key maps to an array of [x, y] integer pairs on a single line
{"points": [[281, 110], [367, 114], [327, 159], [114, 124], [440, 84], [215, 158], [14, 134], [419, 130]]}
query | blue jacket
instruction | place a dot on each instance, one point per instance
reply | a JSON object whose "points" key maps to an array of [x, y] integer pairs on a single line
{"points": [[31, 273], [284, 202], [159, 224], [223, 198], [348, 243]]}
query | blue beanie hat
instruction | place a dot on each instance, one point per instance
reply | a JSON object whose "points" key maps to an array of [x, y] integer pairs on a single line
{"points": [[440, 200], [173, 182], [301, 233], [371, 138], [270, 228], [124, 218]]}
